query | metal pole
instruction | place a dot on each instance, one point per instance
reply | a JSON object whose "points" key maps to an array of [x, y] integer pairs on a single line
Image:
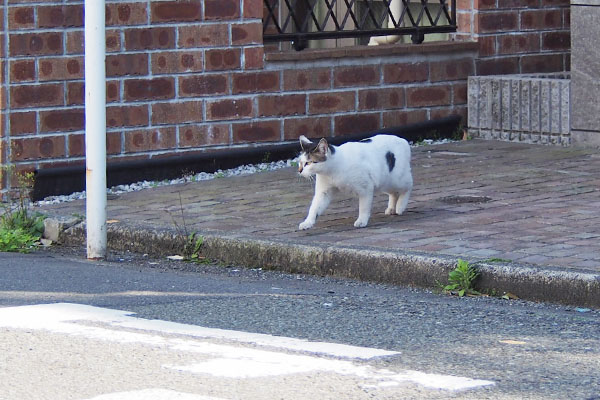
{"points": [[95, 127]]}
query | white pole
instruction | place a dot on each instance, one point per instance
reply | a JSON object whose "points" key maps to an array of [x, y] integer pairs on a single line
{"points": [[95, 127]]}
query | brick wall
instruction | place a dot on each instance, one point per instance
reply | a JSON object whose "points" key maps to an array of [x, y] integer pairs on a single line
{"points": [[185, 76], [517, 36]]}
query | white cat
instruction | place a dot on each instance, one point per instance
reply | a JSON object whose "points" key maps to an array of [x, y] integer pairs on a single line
{"points": [[381, 163]]}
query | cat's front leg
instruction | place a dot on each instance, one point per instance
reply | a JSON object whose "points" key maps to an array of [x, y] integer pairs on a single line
{"points": [[365, 201], [319, 204]]}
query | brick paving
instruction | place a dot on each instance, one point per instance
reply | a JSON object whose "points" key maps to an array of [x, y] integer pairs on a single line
{"points": [[530, 204]]}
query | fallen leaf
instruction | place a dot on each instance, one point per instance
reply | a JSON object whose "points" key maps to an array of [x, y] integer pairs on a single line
{"points": [[510, 341], [112, 221], [510, 296], [175, 258]]}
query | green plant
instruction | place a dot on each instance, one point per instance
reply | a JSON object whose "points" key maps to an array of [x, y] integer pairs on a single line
{"points": [[462, 278], [19, 229], [192, 250], [17, 240]]}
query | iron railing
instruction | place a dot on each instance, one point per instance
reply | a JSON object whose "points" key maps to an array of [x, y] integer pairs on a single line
{"points": [[299, 21]]}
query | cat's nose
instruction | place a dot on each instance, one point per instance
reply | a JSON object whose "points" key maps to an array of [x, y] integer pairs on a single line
{"points": [[299, 168]]}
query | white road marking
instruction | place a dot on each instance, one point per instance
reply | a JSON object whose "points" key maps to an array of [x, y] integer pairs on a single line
{"points": [[224, 360], [153, 394]]}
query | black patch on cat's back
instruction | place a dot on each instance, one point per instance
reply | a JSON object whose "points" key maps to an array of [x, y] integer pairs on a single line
{"points": [[391, 160], [332, 149]]}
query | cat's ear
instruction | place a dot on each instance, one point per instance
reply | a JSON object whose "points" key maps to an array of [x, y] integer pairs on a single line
{"points": [[323, 146], [305, 143]]}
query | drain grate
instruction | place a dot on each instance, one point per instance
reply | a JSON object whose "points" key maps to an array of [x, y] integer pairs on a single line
{"points": [[465, 199]]}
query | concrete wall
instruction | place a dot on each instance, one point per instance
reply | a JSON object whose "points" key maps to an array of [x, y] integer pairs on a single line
{"points": [[585, 72]]}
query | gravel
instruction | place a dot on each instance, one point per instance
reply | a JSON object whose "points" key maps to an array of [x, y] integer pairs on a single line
{"points": [[201, 176]]}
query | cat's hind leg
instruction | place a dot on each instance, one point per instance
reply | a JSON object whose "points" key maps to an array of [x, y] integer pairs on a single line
{"points": [[402, 201], [392, 201]]}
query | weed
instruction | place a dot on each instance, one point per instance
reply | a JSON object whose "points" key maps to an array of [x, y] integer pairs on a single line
{"points": [[219, 174], [192, 251], [462, 278], [19, 229]]}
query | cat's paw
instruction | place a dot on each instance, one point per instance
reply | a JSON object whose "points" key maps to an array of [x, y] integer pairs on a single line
{"points": [[360, 223], [305, 225], [390, 211]]}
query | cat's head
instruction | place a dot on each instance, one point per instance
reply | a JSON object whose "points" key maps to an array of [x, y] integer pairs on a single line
{"points": [[314, 156]]}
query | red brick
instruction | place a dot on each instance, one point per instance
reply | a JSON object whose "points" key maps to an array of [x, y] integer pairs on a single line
{"points": [[62, 120], [498, 21], [356, 76], [459, 93], [21, 18], [149, 89], [254, 57], [452, 70], [556, 41], [74, 42], [38, 148], [203, 35], [248, 33], [127, 64], [542, 63], [541, 19], [113, 41], [113, 142], [322, 103], [264, 131], [22, 70], [203, 85], [428, 96], [174, 62], [60, 16], [486, 4], [60, 69], [446, 112], [223, 59], [312, 127], [318, 78], [149, 38], [497, 66], [253, 82], [36, 95], [175, 11], [113, 91], [229, 109], [177, 113], [291, 104], [126, 14], [356, 123], [487, 45], [520, 43], [253, 9], [221, 9], [400, 118], [23, 123], [75, 93], [46, 43], [150, 139], [203, 135], [406, 73], [126, 116], [380, 99]]}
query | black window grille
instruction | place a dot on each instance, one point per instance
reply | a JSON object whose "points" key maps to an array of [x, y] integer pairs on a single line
{"points": [[299, 21]]}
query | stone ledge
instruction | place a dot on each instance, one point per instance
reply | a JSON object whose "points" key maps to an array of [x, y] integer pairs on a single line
{"points": [[372, 51]]}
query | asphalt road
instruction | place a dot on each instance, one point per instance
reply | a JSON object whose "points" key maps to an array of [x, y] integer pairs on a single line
{"points": [[528, 350]]}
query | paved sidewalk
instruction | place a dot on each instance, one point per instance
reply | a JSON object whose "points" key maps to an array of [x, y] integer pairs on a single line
{"points": [[535, 207]]}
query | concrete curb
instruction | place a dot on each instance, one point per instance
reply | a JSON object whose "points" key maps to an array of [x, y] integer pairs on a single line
{"points": [[527, 282]]}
